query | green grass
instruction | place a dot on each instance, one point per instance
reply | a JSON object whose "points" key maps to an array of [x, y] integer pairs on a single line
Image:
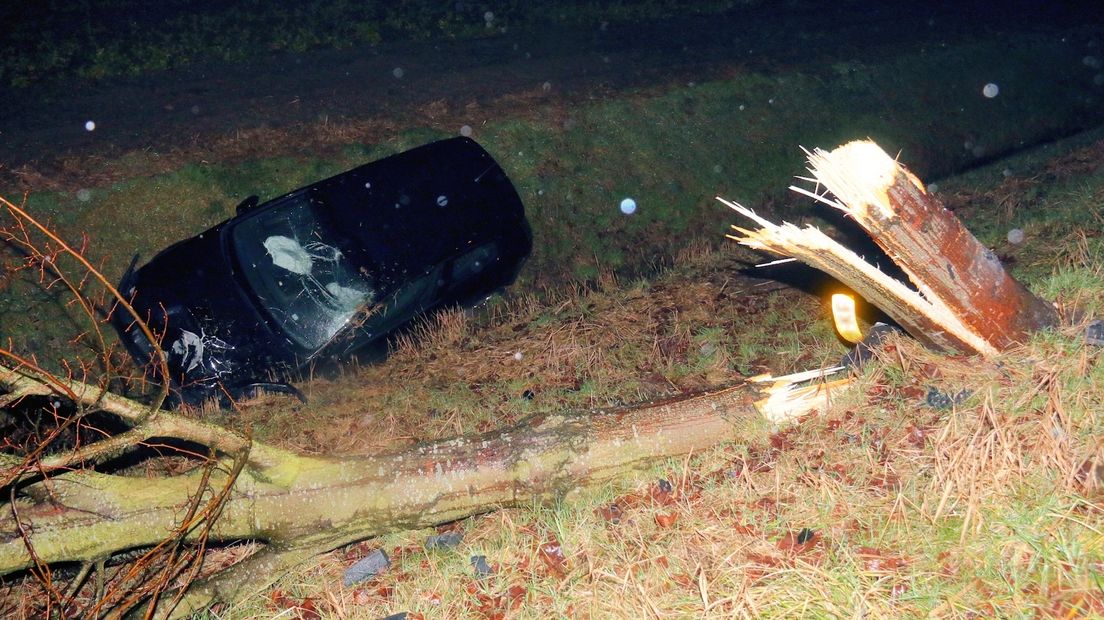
{"points": [[54, 41], [981, 510]]}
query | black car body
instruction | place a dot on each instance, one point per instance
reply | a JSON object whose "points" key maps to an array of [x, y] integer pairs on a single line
{"points": [[328, 268]]}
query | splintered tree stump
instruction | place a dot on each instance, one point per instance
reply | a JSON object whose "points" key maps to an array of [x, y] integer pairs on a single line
{"points": [[964, 300]]}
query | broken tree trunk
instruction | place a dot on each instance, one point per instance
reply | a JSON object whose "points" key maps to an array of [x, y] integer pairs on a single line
{"points": [[301, 505], [964, 299]]}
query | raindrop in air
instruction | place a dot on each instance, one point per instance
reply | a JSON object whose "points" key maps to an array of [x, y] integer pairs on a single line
{"points": [[368, 185], [488, 17], [89, 125], [442, 200], [397, 72], [195, 109], [1015, 236], [547, 86], [84, 195], [990, 90], [628, 206], [466, 130], [518, 356]]}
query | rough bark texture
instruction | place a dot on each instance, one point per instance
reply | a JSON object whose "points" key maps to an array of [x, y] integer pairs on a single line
{"points": [[302, 505], [966, 301]]}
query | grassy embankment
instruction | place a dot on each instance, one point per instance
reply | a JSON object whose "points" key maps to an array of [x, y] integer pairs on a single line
{"points": [[671, 149], [983, 508], [888, 505]]}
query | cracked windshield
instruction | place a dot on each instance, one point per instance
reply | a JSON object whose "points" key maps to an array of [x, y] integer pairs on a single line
{"points": [[297, 272]]}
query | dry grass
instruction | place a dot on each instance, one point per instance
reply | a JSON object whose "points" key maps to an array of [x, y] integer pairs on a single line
{"points": [[939, 486], [583, 347], [991, 507]]}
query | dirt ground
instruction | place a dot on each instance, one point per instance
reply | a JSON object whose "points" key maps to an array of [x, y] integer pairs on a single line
{"points": [[187, 114]]}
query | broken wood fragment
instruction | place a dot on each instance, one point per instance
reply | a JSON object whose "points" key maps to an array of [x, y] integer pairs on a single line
{"points": [[964, 300]]}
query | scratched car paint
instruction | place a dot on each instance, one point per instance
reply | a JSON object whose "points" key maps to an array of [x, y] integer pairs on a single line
{"points": [[327, 269]]}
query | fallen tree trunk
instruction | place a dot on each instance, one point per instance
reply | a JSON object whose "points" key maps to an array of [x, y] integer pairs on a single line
{"points": [[964, 299], [302, 505]]}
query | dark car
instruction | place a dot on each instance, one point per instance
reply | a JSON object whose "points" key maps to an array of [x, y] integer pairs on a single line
{"points": [[327, 269]]}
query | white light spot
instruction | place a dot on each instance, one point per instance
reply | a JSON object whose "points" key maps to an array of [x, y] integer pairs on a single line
{"points": [[466, 130], [286, 253], [84, 195], [990, 90], [397, 72], [442, 200], [89, 125], [1015, 236], [190, 348], [628, 206], [518, 356]]}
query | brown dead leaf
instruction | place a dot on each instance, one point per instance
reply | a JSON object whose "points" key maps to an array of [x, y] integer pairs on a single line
{"points": [[781, 441], [1066, 603], [307, 610], [685, 581], [516, 594], [915, 436], [666, 519], [662, 493], [611, 513], [280, 600], [877, 561], [760, 565], [551, 553], [886, 483]]}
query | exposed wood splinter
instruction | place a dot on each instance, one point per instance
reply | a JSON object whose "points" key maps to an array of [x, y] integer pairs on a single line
{"points": [[964, 300]]}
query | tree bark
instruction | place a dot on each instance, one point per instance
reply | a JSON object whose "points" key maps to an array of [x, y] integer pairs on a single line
{"points": [[303, 505], [964, 299]]}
